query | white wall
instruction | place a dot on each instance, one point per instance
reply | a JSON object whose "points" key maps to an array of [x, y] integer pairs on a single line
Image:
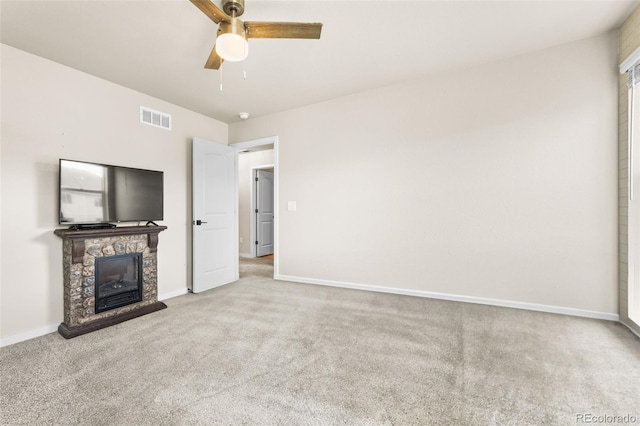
{"points": [[50, 111], [499, 182], [245, 164]]}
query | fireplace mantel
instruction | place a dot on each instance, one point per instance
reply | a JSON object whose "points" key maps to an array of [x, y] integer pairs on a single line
{"points": [[78, 236], [80, 250]]}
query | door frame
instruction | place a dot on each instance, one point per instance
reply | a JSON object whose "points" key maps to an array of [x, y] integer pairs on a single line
{"points": [[273, 141], [253, 231]]}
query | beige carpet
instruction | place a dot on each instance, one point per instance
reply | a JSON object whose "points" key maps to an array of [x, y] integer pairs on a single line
{"points": [[261, 352], [256, 267]]}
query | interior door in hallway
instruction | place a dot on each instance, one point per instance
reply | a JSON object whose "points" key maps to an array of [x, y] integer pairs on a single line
{"points": [[264, 212], [215, 215]]}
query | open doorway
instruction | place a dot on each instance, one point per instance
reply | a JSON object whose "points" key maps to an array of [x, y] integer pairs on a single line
{"points": [[250, 164], [257, 156]]}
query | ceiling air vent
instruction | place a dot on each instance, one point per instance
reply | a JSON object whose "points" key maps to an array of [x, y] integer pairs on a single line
{"points": [[155, 118]]}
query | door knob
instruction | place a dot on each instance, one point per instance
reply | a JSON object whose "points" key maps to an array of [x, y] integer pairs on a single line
{"points": [[199, 222]]}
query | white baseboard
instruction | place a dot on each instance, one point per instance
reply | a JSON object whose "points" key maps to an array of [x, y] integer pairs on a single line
{"points": [[247, 255], [457, 298], [630, 329], [172, 294], [10, 340], [31, 334]]}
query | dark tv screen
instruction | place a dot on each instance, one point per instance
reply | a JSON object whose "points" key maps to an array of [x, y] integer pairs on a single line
{"points": [[100, 193]]}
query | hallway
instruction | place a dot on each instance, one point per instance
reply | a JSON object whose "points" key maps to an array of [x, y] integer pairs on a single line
{"points": [[256, 267]]}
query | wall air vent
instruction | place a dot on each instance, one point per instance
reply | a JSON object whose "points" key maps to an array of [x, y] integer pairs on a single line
{"points": [[155, 118]]}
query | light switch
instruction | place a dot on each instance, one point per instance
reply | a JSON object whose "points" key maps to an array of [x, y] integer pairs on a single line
{"points": [[291, 206]]}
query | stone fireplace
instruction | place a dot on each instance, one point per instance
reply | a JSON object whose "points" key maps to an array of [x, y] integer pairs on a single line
{"points": [[110, 276]]}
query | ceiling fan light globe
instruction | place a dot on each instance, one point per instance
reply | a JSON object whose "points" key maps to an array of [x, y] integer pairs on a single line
{"points": [[231, 42], [232, 47]]}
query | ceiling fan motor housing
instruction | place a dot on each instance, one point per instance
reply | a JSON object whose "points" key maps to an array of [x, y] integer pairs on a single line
{"points": [[235, 26], [233, 7]]}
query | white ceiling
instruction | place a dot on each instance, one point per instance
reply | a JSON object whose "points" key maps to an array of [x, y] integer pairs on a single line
{"points": [[159, 47]]}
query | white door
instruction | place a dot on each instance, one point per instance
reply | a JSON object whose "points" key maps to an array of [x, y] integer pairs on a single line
{"points": [[264, 213], [215, 215]]}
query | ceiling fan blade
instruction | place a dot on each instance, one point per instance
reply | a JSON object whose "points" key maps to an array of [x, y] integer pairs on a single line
{"points": [[211, 10], [283, 30], [214, 61]]}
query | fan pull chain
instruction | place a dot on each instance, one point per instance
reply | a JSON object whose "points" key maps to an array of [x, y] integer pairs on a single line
{"points": [[244, 62], [220, 79]]}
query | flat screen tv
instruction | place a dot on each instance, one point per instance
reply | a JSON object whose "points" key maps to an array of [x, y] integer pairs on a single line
{"points": [[95, 194]]}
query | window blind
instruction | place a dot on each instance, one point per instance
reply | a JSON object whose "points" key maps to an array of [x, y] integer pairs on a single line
{"points": [[634, 75], [633, 211]]}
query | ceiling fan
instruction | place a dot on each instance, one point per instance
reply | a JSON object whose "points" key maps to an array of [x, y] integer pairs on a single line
{"points": [[231, 43]]}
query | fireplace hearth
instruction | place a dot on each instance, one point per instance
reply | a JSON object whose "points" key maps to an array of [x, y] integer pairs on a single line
{"points": [[110, 276]]}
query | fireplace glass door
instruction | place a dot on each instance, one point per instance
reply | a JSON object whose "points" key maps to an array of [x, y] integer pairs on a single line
{"points": [[118, 281]]}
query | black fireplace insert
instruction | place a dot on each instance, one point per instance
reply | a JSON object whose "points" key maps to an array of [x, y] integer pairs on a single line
{"points": [[118, 281]]}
